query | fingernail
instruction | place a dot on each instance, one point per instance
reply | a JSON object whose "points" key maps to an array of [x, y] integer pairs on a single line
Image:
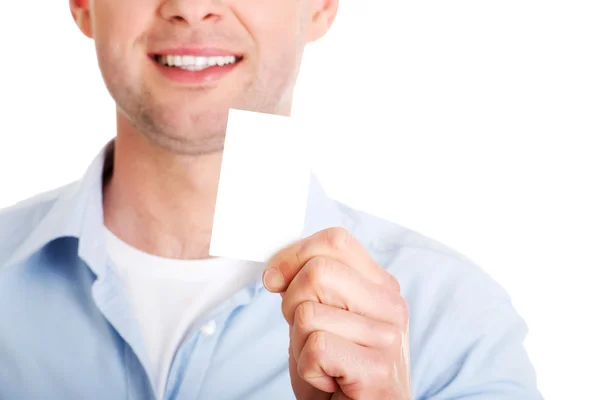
{"points": [[273, 280]]}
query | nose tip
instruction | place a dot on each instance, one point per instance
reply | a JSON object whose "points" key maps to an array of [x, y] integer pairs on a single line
{"points": [[182, 19], [191, 12]]}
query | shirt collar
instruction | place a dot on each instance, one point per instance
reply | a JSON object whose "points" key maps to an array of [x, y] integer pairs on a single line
{"points": [[74, 205], [77, 212]]}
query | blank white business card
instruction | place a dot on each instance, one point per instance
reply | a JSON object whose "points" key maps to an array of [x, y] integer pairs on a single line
{"points": [[263, 187]]}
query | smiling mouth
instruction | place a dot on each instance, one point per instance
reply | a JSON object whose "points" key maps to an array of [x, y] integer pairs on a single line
{"points": [[195, 63]]}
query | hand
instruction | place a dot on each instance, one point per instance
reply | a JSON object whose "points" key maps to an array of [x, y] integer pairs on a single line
{"points": [[348, 321]]}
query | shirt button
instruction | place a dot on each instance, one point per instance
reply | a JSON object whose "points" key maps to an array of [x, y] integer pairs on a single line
{"points": [[209, 329]]}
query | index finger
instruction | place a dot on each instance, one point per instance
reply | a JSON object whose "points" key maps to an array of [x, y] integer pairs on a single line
{"points": [[336, 243]]}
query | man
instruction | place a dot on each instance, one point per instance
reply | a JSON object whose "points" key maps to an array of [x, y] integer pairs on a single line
{"points": [[107, 290]]}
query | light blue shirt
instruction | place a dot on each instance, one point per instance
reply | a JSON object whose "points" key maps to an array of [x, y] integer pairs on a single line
{"points": [[68, 332]]}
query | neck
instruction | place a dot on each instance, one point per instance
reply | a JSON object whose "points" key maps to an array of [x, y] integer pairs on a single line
{"points": [[160, 202]]}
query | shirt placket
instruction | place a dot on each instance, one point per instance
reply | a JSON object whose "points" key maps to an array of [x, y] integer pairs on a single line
{"points": [[110, 298], [193, 358]]}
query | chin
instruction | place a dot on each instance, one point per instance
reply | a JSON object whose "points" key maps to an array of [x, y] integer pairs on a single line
{"points": [[188, 144], [191, 135]]}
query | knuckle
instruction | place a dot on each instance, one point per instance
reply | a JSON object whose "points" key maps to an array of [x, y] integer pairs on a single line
{"points": [[403, 306], [384, 369], [337, 238], [402, 310], [317, 270], [318, 276], [394, 284], [304, 315], [389, 335]]}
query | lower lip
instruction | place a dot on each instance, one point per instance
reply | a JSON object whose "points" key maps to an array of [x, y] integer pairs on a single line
{"points": [[207, 75]]}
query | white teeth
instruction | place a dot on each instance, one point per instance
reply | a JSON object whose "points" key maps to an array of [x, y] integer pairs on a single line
{"points": [[188, 61], [201, 62], [194, 63]]}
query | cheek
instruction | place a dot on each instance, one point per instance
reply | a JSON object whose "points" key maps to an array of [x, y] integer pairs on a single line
{"points": [[277, 34], [119, 27], [273, 24]]}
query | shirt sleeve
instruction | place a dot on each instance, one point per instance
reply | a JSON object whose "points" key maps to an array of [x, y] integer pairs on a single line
{"points": [[473, 347], [490, 360]]}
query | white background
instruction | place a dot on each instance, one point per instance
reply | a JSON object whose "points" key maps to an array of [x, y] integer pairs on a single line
{"points": [[473, 122]]}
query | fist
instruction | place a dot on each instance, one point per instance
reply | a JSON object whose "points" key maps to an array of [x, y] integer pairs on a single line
{"points": [[348, 321]]}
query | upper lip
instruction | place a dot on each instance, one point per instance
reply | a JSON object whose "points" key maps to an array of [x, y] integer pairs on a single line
{"points": [[196, 51]]}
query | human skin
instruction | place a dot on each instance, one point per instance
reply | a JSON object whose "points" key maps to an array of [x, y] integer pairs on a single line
{"points": [[348, 321], [161, 195]]}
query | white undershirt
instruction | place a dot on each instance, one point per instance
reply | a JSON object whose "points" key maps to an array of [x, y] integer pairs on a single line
{"points": [[169, 296]]}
